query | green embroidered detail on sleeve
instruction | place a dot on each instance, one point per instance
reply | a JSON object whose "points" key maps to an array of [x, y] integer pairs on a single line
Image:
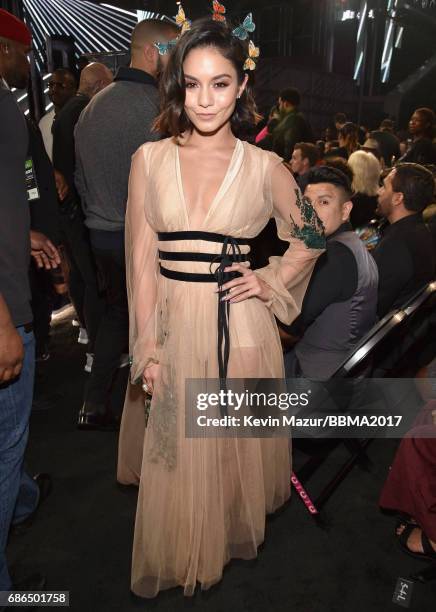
{"points": [[312, 231]]}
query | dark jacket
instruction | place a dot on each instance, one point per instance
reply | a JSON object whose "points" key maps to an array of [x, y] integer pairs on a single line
{"points": [[422, 151], [363, 210], [64, 157], [44, 211], [292, 128], [14, 210], [405, 260]]}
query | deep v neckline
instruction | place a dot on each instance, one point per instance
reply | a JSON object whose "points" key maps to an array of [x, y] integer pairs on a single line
{"points": [[221, 188]]}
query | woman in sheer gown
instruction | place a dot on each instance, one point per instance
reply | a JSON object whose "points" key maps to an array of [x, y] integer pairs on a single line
{"points": [[203, 501]]}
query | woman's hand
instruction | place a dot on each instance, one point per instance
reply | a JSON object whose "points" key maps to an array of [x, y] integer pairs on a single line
{"points": [[149, 377], [246, 286]]}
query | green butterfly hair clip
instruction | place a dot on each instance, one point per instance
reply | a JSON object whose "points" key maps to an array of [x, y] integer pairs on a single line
{"points": [[165, 48], [247, 26]]}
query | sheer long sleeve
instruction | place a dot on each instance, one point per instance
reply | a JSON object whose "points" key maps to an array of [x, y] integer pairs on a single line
{"points": [[142, 270], [298, 224]]}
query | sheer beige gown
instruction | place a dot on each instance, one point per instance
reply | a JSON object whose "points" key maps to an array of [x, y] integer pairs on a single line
{"points": [[202, 501]]}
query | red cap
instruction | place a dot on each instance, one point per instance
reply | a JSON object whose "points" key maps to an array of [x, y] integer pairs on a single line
{"points": [[13, 28]]}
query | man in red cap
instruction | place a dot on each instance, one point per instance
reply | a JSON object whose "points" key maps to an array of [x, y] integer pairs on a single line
{"points": [[15, 44], [20, 495]]}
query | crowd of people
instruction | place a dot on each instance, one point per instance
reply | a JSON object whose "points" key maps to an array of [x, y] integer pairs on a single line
{"points": [[132, 193]]}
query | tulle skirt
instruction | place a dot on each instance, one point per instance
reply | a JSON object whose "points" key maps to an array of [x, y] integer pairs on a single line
{"points": [[202, 501]]}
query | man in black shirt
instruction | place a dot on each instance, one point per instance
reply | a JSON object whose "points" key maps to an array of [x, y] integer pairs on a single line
{"points": [[61, 87], [405, 255], [19, 494], [340, 303]]}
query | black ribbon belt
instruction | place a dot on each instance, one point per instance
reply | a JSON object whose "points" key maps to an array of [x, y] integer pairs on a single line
{"points": [[230, 253], [208, 236]]}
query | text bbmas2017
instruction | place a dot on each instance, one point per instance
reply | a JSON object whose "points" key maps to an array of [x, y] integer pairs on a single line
{"points": [[250, 399]]}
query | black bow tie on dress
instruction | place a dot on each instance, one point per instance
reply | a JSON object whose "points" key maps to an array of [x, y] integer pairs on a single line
{"points": [[226, 260], [230, 253]]}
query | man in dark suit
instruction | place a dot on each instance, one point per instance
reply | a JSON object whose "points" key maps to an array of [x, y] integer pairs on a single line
{"points": [[405, 255]]}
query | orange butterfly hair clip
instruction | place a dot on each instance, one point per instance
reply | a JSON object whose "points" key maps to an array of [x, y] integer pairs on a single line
{"points": [[253, 55], [218, 11], [183, 23]]}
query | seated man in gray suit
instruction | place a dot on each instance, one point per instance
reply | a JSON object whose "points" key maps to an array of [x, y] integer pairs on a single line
{"points": [[340, 304]]}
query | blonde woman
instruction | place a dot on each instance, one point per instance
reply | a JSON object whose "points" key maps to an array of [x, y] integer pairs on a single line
{"points": [[366, 175]]}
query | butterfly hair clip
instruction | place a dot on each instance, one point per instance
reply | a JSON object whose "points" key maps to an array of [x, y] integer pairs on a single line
{"points": [[165, 48], [253, 54], [218, 11], [182, 22], [247, 26]]}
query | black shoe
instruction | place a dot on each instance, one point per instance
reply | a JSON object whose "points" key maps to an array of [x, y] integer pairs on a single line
{"points": [[95, 421], [45, 486]]}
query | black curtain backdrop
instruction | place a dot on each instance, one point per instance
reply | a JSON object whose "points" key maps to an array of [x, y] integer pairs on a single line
{"points": [[13, 6]]}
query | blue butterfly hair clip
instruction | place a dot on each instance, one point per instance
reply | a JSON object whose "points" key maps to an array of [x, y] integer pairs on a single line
{"points": [[165, 48], [247, 26]]}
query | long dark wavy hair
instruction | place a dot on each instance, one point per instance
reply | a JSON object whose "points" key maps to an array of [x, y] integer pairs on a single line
{"points": [[203, 33], [350, 133]]}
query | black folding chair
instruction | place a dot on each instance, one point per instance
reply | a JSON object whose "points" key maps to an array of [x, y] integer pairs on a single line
{"points": [[402, 328]]}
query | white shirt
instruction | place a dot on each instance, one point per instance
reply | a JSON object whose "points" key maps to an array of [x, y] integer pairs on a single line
{"points": [[45, 126]]}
